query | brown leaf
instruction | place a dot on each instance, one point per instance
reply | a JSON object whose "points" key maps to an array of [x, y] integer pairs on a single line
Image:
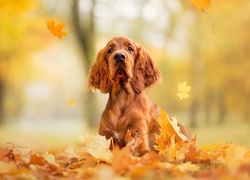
{"points": [[35, 159], [5, 154], [192, 153]]}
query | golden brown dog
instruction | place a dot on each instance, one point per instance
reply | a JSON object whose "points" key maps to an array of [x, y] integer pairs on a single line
{"points": [[124, 69]]}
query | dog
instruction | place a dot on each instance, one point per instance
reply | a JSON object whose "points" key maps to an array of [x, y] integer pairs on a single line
{"points": [[123, 68]]}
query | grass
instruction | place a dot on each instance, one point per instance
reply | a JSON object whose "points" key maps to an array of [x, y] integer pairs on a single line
{"points": [[235, 132], [52, 134]]}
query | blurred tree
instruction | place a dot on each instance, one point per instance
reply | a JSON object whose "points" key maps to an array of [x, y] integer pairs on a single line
{"points": [[225, 58], [84, 25], [15, 24], [196, 71], [19, 25]]}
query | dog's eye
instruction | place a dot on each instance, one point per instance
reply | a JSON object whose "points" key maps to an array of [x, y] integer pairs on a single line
{"points": [[110, 50], [130, 49]]}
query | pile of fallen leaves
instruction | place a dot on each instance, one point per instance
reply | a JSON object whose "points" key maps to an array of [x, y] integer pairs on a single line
{"points": [[178, 157]]}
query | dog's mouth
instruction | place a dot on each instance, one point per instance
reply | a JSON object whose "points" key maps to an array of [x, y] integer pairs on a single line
{"points": [[120, 73]]}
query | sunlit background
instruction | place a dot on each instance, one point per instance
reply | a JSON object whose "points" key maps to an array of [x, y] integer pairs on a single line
{"points": [[39, 73]]}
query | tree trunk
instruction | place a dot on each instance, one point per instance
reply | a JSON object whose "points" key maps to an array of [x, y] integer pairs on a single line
{"points": [[85, 34], [221, 108], [207, 105], [196, 86], [196, 68]]}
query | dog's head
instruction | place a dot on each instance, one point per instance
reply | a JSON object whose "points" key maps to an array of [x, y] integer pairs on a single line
{"points": [[122, 59]]}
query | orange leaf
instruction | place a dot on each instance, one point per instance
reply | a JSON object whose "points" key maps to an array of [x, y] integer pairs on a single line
{"points": [[122, 160], [56, 30], [35, 159], [201, 4], [170, 127]]}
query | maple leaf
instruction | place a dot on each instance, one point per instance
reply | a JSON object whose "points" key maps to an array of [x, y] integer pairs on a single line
{"points": [[169, 127], [183, 90], [97, 146], [174, 139], [56, 30], [201, 4], [71, 101], [50, 159]]}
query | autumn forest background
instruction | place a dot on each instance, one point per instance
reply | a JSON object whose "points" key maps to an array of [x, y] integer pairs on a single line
{"points": [[39, 73]]}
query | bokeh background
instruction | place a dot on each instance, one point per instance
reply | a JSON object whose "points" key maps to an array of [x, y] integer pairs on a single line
{"points": [[39, 73]]}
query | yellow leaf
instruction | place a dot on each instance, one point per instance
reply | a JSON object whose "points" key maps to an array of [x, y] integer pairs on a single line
{"points": [[56, 30], [183, 90], [71, 101], [97, 146], [235, 155], [50, 159], [231, 155], [187, 167], [201, 4], [169, 128]]}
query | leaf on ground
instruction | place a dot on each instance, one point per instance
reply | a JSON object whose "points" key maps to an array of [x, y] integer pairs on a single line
{"points": [[128, 161], [36, 159], [235, 156], [97, 146], [174, 140], [50, 159], [135, 167], [169, 127], [227, 154], [4, 154], [192, 153], [187, 167], [221, 161]]}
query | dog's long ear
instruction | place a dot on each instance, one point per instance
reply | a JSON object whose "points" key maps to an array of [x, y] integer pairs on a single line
{"points": [[145, 71], [99, 74]]}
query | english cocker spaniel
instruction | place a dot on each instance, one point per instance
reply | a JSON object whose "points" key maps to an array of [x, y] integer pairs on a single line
{"points": [[124, 69]]}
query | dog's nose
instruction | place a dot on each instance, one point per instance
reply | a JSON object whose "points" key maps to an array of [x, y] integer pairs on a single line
{"points": [[120, 57]]}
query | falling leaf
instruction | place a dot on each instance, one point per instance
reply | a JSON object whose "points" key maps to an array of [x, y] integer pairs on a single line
{"points": [[71, 101], [183, 90], [56, 29], [201, 4]]}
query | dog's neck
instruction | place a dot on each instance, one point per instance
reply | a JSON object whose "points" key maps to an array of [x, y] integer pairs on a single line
{"points": [[122, 86]]}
